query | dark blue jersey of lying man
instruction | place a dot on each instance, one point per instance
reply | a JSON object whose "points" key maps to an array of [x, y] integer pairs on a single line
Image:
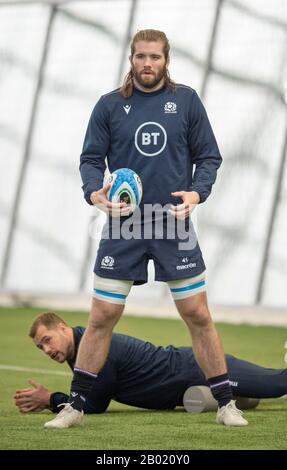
{"points": [[138, 373]]}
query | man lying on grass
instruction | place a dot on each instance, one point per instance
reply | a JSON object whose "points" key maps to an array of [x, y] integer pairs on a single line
{"points": [[137, 373]]}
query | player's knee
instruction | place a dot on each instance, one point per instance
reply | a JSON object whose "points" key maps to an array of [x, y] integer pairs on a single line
{"points": [[101, 320], [198, 315], [113, 291]]}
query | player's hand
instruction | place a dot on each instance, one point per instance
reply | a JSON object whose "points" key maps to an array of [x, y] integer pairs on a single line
{"points": [[115, 209], [32, 399], [190, 200]]}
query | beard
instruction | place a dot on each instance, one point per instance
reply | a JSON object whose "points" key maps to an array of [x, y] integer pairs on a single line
{"points": [[151, 80]]}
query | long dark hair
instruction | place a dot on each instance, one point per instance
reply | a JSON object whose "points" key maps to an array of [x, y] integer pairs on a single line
{"points": [[148, 35]]}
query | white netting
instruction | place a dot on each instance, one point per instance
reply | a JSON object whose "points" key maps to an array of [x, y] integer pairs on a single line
{"points": [[240, 73]]}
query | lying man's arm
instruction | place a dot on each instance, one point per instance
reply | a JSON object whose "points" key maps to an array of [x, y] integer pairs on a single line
{"points": [[39, 398], [96, 402]]}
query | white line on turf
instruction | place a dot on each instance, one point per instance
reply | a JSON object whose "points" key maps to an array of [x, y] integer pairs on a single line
{"points": [[31, 369]]}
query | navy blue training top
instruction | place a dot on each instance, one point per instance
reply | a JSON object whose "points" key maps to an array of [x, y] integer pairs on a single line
{"points": [[140, 374], [137, 373], [160, 135]]}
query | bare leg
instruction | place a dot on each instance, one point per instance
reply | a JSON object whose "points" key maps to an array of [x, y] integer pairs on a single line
{"points": [[95, 344], [93, 351], [205, 339], [210, 357]]}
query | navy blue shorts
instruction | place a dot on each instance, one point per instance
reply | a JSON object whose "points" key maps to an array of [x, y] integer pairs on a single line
{"points": [[128, 259]]}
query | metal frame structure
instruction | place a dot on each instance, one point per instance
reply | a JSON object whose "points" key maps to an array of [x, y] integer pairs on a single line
{"points": [[58, 6]]}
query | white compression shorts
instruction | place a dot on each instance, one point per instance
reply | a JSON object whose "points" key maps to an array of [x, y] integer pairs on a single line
{"points": [[116, 291], [184, 288], [113, 291]]}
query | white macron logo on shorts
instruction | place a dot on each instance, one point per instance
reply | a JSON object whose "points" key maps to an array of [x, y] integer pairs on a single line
{"points": [[186, 266], [108, 262]]}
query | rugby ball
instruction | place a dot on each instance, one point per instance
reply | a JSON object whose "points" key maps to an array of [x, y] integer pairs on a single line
{"points": [[125, 187]]}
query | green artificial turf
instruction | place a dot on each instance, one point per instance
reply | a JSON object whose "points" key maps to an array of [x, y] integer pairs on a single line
{"points": [[124, 427]]}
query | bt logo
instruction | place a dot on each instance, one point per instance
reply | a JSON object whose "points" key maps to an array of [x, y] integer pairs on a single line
{"points": [[150, 139]]}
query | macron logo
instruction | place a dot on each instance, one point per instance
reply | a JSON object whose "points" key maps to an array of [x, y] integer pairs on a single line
{"points": [[127, 108]]}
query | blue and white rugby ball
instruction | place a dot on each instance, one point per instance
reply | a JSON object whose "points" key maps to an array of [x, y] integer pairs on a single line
{"points": [[125, 187]]}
